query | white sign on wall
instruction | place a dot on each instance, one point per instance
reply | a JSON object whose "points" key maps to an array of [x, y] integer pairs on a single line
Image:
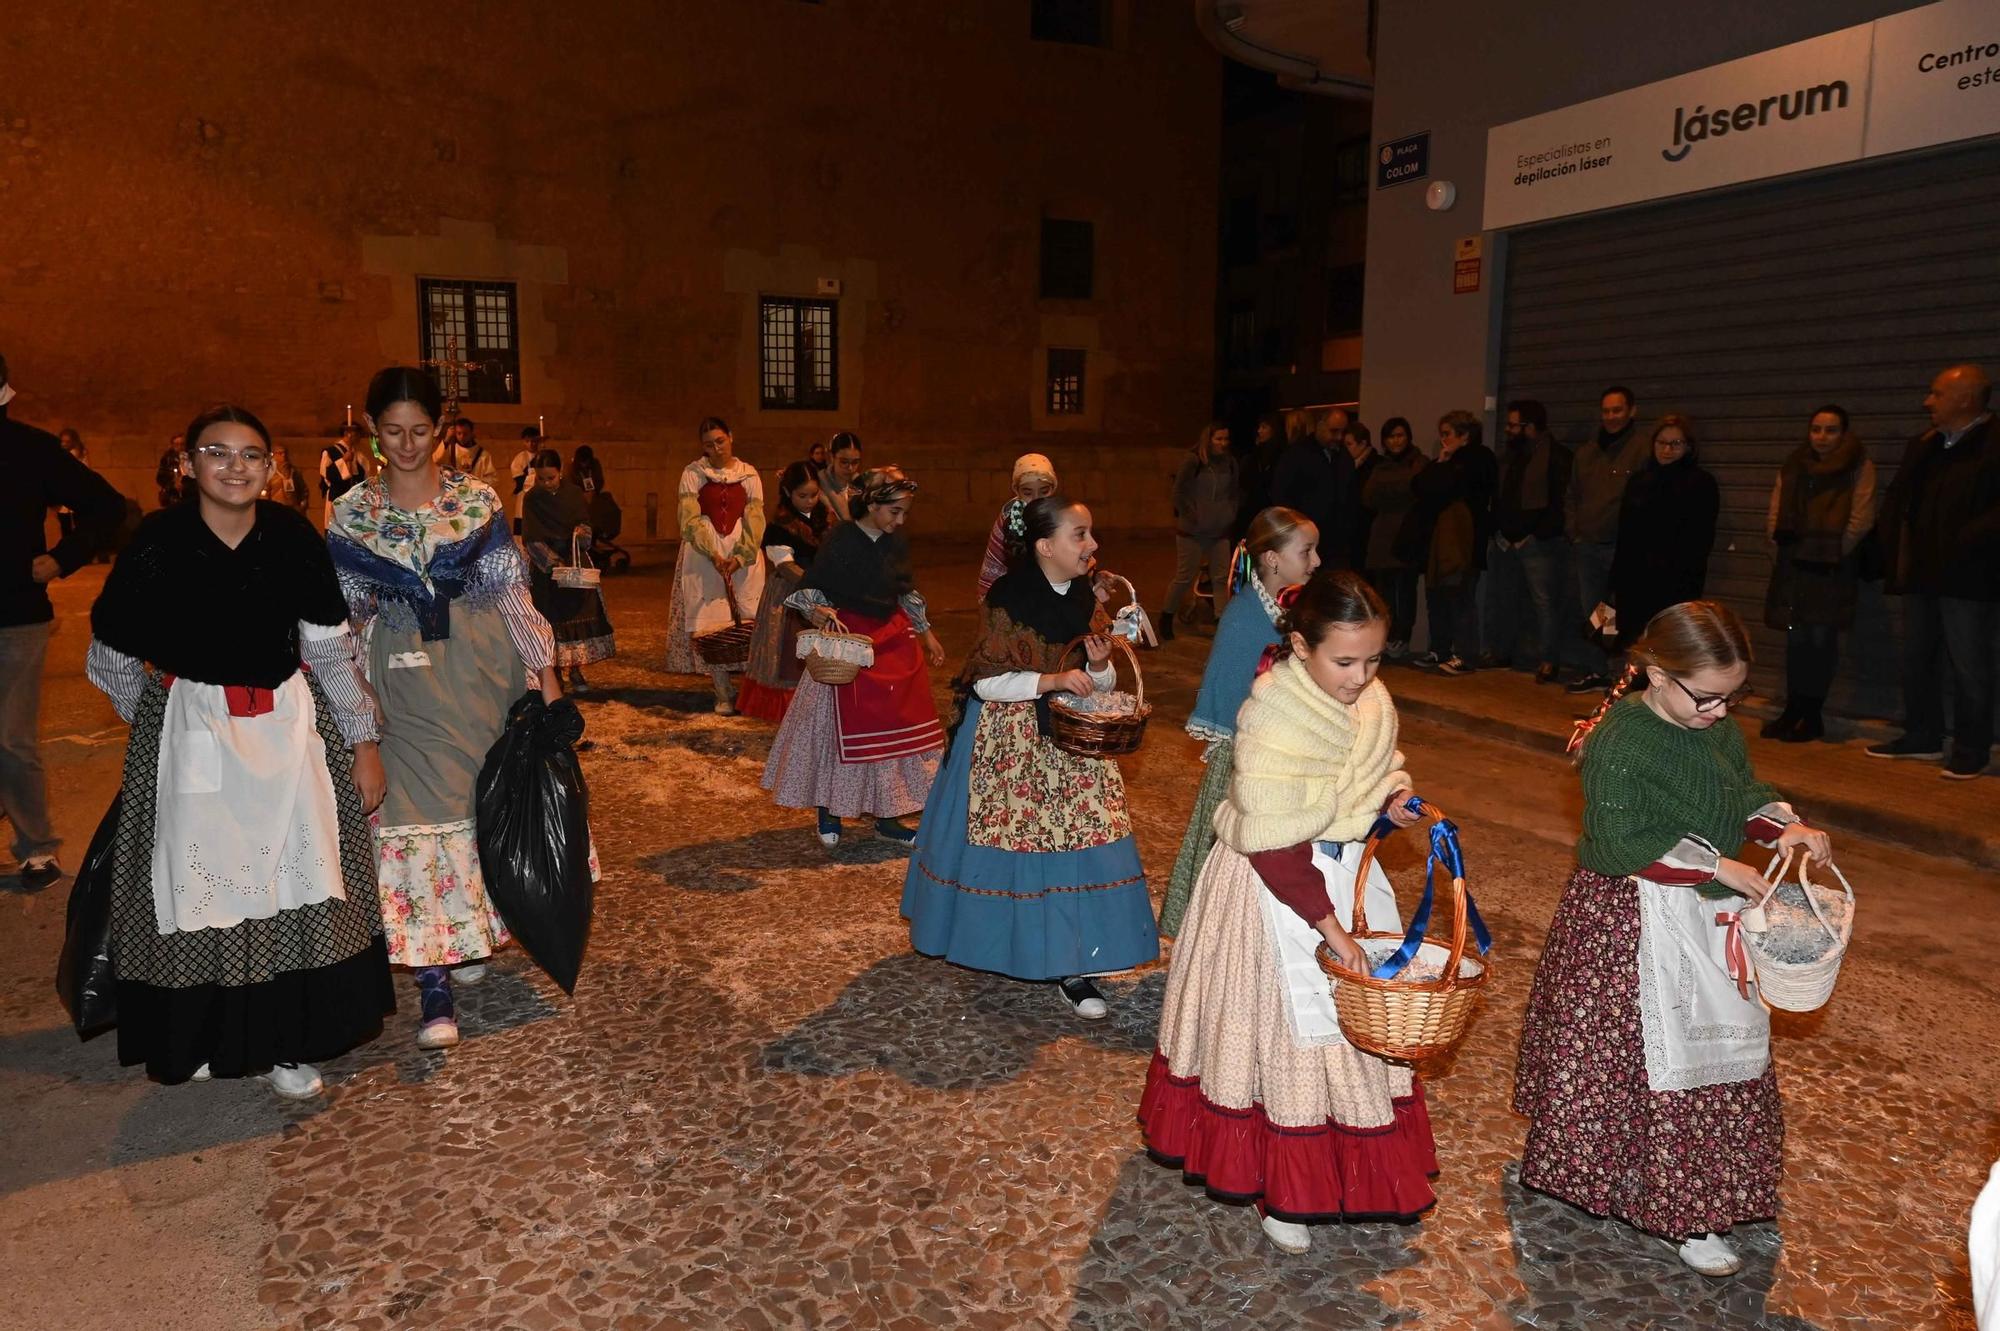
{"points": [[1928, 76]]}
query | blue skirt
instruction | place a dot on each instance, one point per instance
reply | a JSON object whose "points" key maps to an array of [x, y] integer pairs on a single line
{"points": [[1032, 915]]}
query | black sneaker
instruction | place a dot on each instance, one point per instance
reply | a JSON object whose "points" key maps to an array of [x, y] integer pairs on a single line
{"points": [[1457, 665], [1907, 748], [40, 871], [1963, 768], [1591, 683], [1084, 997], [891, 830], [1428, 661]]}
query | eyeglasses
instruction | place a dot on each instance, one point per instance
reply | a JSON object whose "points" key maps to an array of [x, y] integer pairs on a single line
{"points": [[219, 456], [1712, 702]]}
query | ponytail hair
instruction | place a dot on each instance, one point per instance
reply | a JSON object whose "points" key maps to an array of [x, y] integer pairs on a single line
{"points": [[1681, 640], [1022, 523], [1272, 529]]}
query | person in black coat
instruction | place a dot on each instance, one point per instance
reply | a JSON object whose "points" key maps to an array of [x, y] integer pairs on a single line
{"points": [[41, 475], [1940, 540], [1666, 526], [1315, 476], [1455, 500]]}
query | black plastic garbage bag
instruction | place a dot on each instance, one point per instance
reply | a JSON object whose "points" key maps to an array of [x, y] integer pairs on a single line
{"points": [[534, 834], [86, 981]]}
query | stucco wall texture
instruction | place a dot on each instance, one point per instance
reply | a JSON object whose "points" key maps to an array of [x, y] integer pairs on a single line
{"points": [[214, 201]]}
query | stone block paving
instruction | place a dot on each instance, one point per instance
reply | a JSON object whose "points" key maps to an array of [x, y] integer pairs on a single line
{"points": [[760, 1110]]}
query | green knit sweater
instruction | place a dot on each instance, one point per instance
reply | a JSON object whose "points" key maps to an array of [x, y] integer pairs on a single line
{"points": [[1647, 783]]}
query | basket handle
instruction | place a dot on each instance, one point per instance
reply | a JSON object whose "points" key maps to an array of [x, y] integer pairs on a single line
{"points": [[729, 595], [578, 556], [1138, 676], [1794, 860], [1446, 851]]}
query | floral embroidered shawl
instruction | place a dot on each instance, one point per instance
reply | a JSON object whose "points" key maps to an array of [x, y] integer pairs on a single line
{"points": [[457, 545]]}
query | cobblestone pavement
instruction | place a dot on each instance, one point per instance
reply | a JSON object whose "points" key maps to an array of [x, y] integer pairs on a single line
{"points": [[761, 1110]]}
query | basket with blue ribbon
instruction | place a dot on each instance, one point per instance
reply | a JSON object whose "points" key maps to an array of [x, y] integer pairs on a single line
{"points": [[1418, 997]]}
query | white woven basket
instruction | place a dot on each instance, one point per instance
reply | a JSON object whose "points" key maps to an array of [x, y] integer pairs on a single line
{"points": [[1801, 986], [578, 573]]}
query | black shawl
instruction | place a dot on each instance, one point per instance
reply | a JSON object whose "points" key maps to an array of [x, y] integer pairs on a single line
{"points": [[1028, 625], [183, 601], [804, 535], [552, 516], [858, 573]]}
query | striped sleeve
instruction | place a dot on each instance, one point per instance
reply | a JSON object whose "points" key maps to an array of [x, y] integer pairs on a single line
{"points": [[330, 653], [1690, 863], [919, 613], [1765, 825], [122, 677], [532, 636]]}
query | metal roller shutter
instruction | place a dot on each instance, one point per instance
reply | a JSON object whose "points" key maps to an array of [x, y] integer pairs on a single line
{"points": [[1747, 308]]}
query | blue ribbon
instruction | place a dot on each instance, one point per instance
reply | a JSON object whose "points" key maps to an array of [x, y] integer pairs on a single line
{"points": [[1445, 850]]}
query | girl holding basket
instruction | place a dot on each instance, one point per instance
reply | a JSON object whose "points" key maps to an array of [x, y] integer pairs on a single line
{"points": [[1645, 1066], [1254, 1092], [1025, 864]]}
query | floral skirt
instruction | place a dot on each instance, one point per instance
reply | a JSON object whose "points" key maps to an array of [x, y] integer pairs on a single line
{"points": [[1312, 1131], [804, 770], [978, 894], [1199, 837], [435, 911], [1672, 1163]]}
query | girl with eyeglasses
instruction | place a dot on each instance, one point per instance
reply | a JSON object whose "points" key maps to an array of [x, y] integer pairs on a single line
{"points": [[1645, 1060], [244, 920]]}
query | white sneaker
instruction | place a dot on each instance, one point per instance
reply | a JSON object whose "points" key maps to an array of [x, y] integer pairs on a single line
{"points": [[441, 1033], [1710, 1255], [469, 974], [294, 1081], [1286, 1236], [199, 1074], [1084, 998]]}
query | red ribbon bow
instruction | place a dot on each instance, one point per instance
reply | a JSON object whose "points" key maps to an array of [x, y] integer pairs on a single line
{"points": [[1734, 954]]}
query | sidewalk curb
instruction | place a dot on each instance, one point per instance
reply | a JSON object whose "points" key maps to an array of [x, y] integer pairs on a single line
{"points": [[1963, 843]]}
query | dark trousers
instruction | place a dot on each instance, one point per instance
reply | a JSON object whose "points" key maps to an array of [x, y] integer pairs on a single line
{"points": [[1589, 583], [1812, 655], [1399, 588], [1523, 587], [1455, 618], [1962, 632]]}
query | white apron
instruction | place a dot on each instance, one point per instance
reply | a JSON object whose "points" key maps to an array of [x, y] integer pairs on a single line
{"points": [[245, 823], [1699, 1030], [699, 587], [1308, 991]]}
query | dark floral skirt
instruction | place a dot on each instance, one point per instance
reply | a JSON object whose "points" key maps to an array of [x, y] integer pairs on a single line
{"points": [[1672, 1163]]}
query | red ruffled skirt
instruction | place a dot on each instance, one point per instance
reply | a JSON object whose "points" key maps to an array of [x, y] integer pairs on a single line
{"points": [[760, 701], [1312, 1130]]}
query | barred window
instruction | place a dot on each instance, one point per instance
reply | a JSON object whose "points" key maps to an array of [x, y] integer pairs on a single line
{"points": [[469, 336], [1065, 381], [798, 354]]}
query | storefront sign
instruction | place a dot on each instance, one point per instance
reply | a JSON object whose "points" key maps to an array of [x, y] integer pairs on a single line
{"points": [[1923, 77], [1402, 160]]}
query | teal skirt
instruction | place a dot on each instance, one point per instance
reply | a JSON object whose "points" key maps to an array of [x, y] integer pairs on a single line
{"points": [[1199, 838]]}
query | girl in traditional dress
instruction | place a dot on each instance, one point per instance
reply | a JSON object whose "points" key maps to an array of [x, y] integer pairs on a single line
{"points": [[870, 747], [1281, 550], [1025, 863], [791, 543], [245, 929], [843, 469], [1253, 1091], [722, 522], [1645, 1069], [1034, 478], [555, 527], [433, 576]]}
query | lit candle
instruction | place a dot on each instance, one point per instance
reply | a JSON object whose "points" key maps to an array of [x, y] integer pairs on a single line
{"points": [[350, 413], [541, 425]]}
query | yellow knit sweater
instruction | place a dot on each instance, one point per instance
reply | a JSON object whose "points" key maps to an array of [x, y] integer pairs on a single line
{"points": [[1308, 767]]}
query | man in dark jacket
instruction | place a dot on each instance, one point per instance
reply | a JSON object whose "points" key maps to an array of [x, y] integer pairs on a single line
{"points": [[41, 476], [1940, 535], [1456, 494], [1600, 469], [1315, 476], [1525, 563]]}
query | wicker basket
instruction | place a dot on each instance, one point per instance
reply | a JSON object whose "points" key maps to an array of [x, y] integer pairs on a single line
{"points": [[1408, 1020], [727, 646], [833, 655], [1091, 735], [578, 573], [1801, 986]]}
